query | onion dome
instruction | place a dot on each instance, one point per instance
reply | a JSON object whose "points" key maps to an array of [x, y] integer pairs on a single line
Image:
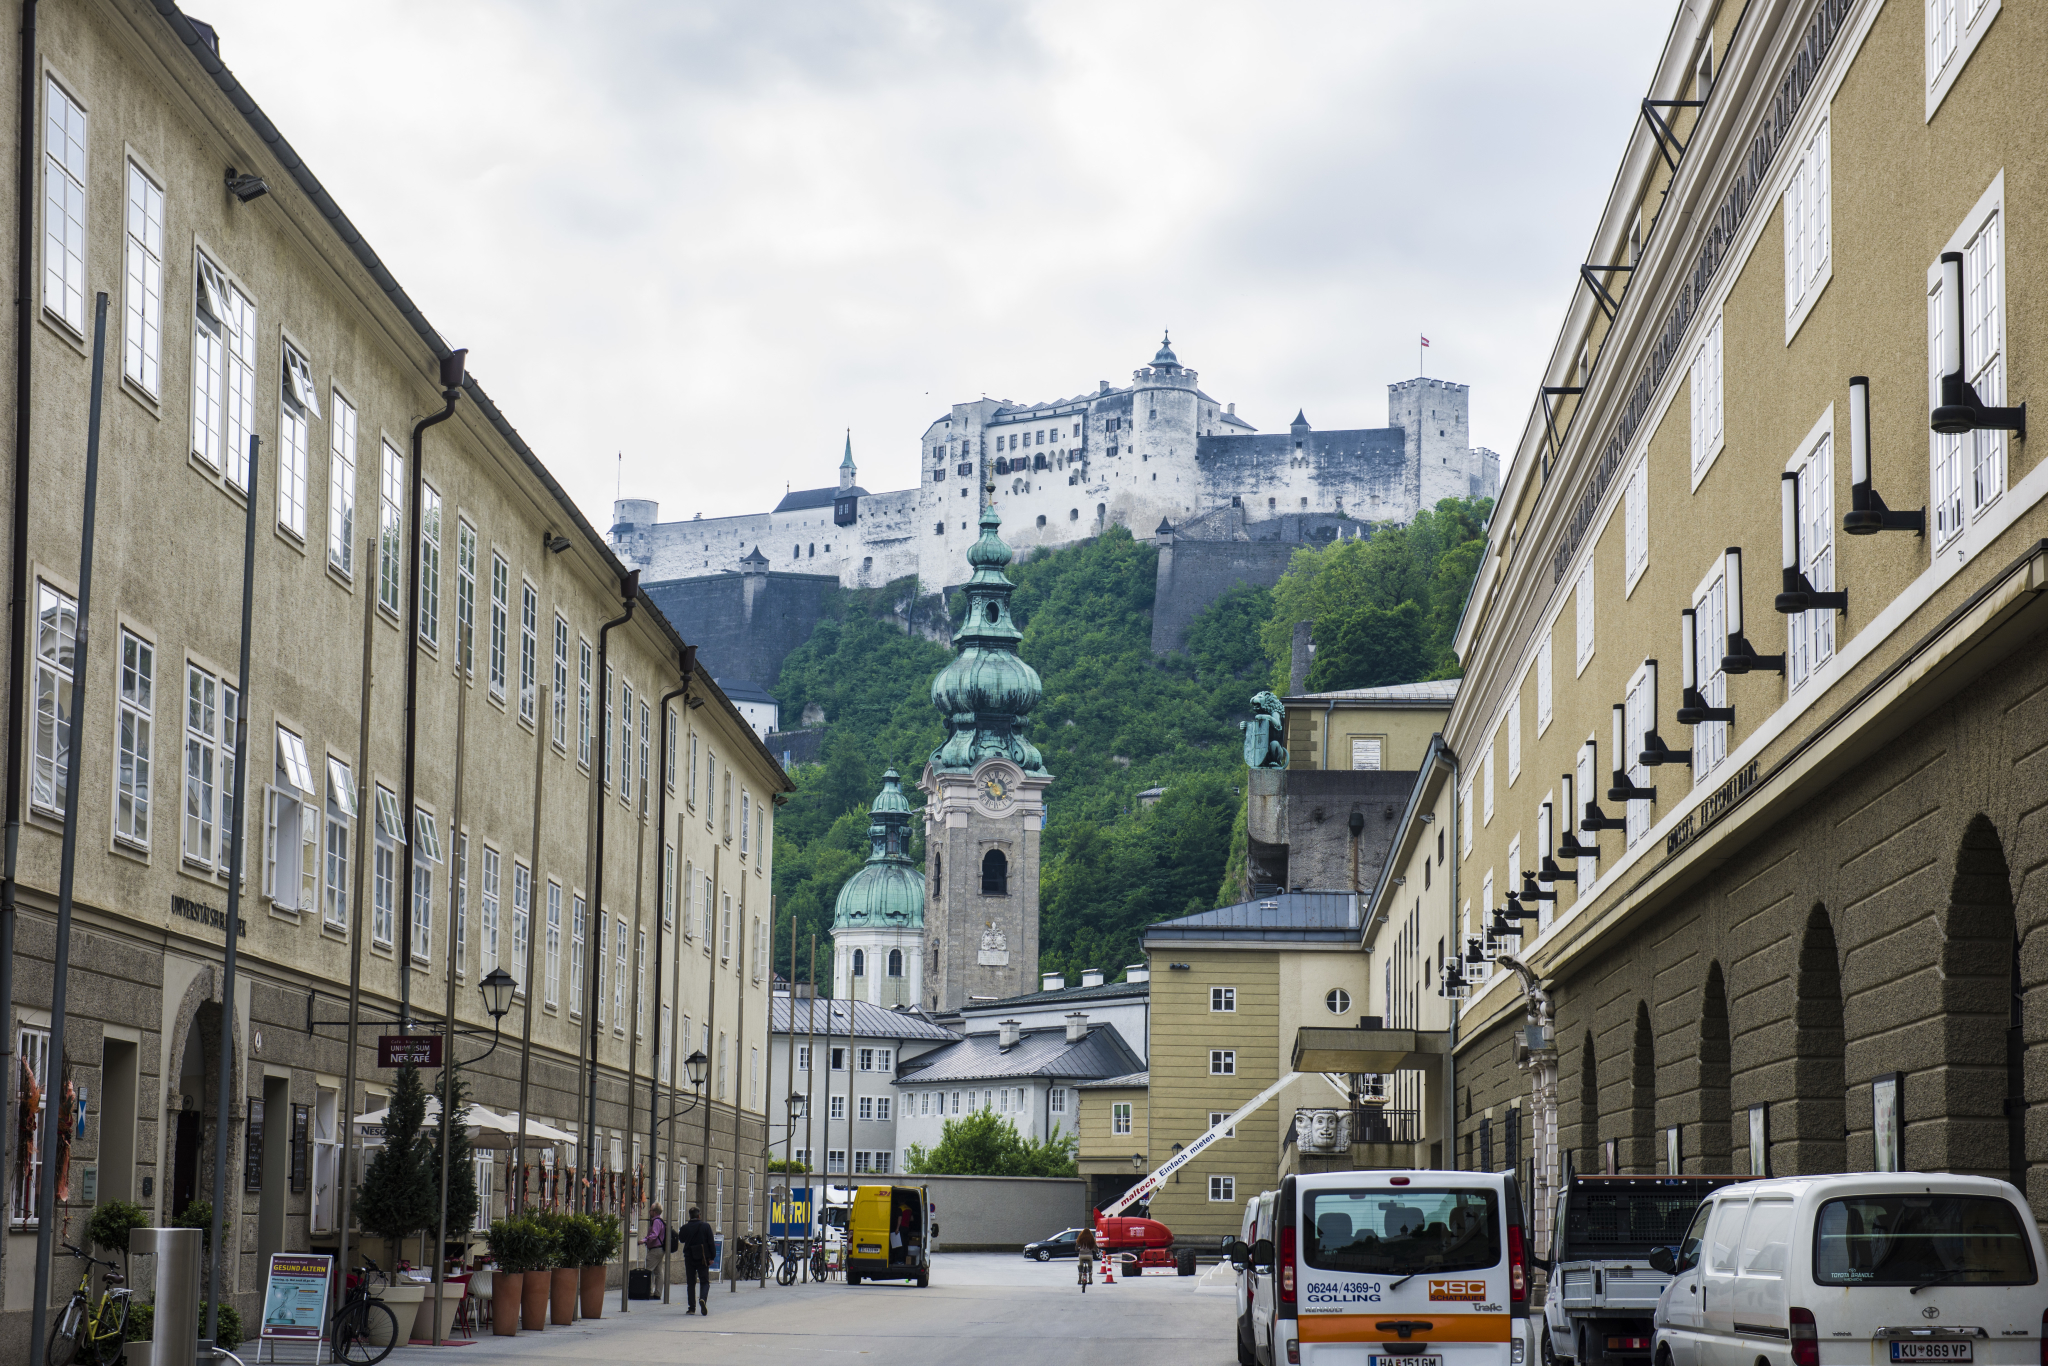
{"points": [[1165, 359], [886, 892], [987, 691]]}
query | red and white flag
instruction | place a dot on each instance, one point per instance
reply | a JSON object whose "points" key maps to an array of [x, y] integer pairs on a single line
{"points": [[1425, 341]]}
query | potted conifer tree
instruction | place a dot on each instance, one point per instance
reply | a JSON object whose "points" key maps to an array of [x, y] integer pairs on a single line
{"points": [[462, 1192], [398, 1195]]}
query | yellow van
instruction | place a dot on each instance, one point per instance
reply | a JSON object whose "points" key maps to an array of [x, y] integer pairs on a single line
{"points": [[889, 1233]]}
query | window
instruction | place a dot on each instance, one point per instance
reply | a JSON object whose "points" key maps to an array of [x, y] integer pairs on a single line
{"points": [[1366, 752], [1636, 524], [619, 975], [693, 769], [835, 1158], [210, 708], [1514, 738], [426, 851], [1543, 677], [600, 950], [646, 751], [995, 874], [1810, 635], [298, 408], [689, 891], [552, 991], [1583, 602], [341, 816], [1486, 783], [559, 705], [390, 513], [583, 661], [606, 736], [839, 1060], [625, 744], [1222, 1062], [866, 1057], [430, 566], [867, 1107], [725, 811], [1216, 1117], [1705, 389], [640, 985], [489, 895], [465, 596], [956, 1102], [1338, 1002], [746, 811], [1638, 719], [64, 208], [384, 871], [895, 959], [142, 335], [501, 621], [721, 1065], [1954, 28], [1710, 636], [576, 918], [725, 932], [760, 955], [1223, 1189], [56, 642], [669, 761], [341, 487], [1120, 1117], [529, 651], [1806, 227], [34, 1050], [291, 863], [1465, 822], [803, 1057], [458, 896], [133, 724], [709, 912], [668, 886], [1222, 999], [1056, 1100], [1968, 470], [522, 916]]}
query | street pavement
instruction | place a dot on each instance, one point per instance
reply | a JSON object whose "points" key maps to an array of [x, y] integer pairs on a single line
{"points": [[987, 1309]]}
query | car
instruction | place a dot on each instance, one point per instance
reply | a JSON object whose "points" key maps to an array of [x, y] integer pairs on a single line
{"points": [[1059, 1245]]}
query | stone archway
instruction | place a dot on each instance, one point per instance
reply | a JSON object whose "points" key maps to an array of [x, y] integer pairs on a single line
{"points": [[191, 1108], [1983, 1056], [1589, 1106], [1711, 1146], [1641, 1158], [1816, 1138]]}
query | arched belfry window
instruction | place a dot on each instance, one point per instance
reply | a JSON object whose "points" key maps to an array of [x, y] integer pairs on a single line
{"points": [[938, 874], [895, 962], [995, 874], [860, 962]]}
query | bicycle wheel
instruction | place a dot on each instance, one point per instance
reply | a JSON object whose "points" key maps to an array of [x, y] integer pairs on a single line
{"points": [[109, 1341], [65, 1336], [818, 1265], [364, 1333], [786, 1273]]}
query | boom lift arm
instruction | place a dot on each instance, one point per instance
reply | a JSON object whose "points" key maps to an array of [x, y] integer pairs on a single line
{"points": [[1180, 1159]]}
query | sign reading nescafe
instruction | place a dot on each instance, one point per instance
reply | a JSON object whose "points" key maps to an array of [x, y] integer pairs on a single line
{"points": [[396, 1050]]}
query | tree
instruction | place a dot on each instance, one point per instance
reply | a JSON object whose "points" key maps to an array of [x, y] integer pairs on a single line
{"points": [[1369, 648], [398, 1195], [462, 1193], [988, 1144]]}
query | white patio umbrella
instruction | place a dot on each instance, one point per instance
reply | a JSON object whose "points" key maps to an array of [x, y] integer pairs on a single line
{"points": [[487, 1128]]}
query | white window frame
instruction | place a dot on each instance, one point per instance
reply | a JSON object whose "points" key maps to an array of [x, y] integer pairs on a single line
{"points": [[298, 407], [32, 1044], [1514, 736], [209, 732], [552, 978], [1808, 228], [142, 306], [1223, 1062], [134, 738], [646, 751], [490, 894], [458, 898], [1638, 718], [390, 527], [1582, 599], [522, 916], [501, 622], [1486, 780], [1216, 1117], [426, 853], [340, 846], [1810, 635], [1954, 28], [1706, 399], [465, 597], [1545, 673], [1222, 1000], [1222, 1189], [559, 703], [291, 847], [341, 486], [430, 566], [1967, 473], [529, 651], [1710, 640], [579, 915], [625, 743], [384, 870], [1465, 821], [1120, 1117], [66, 172], [1635, 522], [640, 984]]}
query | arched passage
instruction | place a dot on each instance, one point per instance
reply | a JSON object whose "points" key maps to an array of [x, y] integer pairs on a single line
{"points": [[1589, 1107], [1981, 1006], [1710, 1141], [1642, 1097], [1814, 1141]]}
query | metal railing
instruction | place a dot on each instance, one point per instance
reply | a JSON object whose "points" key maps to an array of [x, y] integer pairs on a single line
{"points": [[1378, 1124]]}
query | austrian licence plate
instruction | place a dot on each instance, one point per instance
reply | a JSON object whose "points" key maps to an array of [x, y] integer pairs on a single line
{"points": [[1381, 1359], [1931, 1351]]}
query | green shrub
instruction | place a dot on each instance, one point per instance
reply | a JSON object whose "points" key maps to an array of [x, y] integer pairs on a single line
{"points": [[609, 1236], [142, 1320], [526, 1243], [578, 1240], [198, 1214], [112, 1221]]}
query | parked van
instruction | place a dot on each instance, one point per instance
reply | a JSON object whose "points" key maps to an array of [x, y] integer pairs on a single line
{"points": [[889, 1231], [1258, 1225], [1391, 1268], [1878, 1267]]}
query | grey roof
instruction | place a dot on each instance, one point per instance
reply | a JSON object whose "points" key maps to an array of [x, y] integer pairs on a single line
{"points": [[1038, 1053], [1076, 995], [741, 690], [1439, 691], [869, 1021], [1134, 1079], [1288, 917], [799, 499]]}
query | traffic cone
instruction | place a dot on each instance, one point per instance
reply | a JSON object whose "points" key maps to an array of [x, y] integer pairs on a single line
{"points": [[1108, 1268]]}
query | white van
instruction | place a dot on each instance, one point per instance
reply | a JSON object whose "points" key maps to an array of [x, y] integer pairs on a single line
{"points": [[1390, 1268], [1874, 1269]]}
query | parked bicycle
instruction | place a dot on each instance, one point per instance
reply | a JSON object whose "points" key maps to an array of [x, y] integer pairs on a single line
{"points": [[821, 1264], [89, 1335], [787, 1264], [751, 1258], [363, 1330]]}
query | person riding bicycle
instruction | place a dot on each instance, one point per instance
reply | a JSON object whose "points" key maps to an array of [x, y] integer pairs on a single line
{"points": [[1084, 1255]]}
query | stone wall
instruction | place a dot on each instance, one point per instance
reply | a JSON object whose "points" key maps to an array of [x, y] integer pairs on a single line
{"points": [[1001, 1213], [744, 625], [1300, 819]]}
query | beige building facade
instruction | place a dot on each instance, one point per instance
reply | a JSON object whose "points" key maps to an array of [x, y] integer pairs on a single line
{"points": [[551, 702]]}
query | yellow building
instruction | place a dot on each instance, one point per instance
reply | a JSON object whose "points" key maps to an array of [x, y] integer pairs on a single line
{"points": [[1114, 1126]]}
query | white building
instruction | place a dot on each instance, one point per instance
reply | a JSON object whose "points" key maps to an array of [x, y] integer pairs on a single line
{"points": [[842, 1057]]}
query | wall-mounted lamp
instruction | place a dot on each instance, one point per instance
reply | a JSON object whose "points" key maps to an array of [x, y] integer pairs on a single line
{"points": [[1515, 910], [1400, 882], [1624, 788], [1693, 708], [1655, 751], [1502, 927], [1800, 595], [1531, 892], [1961, 410], [555, 544], [1429, 818], [1742, 657], [1356, 824], [1569, 846], [1867, 514], [1594, 819], [246, 187], [1546, 843]]}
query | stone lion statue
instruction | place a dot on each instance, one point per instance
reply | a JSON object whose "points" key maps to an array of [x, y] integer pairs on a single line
{"points": [[1262, 747]]}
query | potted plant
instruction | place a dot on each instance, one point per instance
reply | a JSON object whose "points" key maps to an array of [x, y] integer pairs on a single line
{"points": [[399, 1193], [512, 1247], [603, 1246], [111, 1223], [534, 1291], [569, 1238]]}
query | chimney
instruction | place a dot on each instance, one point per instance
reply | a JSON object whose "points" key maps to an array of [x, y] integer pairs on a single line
{"points": [[1091, 977], [1052, 981], [1297, 657], [1104, 386], [1138, 972], [1009, 1034], [1077, 1026]]}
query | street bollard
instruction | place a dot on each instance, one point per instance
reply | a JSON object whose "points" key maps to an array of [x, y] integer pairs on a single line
{"points": [[175, 1329]]}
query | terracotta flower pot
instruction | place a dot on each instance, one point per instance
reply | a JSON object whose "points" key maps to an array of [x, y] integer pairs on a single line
{"points": [[533, 1300], [593, 1291], [563, 1282], [505, 1292]]}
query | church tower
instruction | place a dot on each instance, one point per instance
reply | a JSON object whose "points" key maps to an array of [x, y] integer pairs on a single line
{"points": [[984, 801], [878, 921]]}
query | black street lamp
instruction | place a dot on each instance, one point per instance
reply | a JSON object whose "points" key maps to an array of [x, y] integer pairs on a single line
{"points": [[697, 1068]]}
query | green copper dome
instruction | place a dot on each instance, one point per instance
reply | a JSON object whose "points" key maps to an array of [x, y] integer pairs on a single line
{"points": [[887, 892], [987, 691]]}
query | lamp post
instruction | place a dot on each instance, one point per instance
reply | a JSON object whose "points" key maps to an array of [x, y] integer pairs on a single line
{"points": [[795, 1102], [497, 989]]}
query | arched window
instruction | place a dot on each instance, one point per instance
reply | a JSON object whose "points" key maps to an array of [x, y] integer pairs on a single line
{"points": [[995, 874], [938, 874], [860, 962], [895, 962]]}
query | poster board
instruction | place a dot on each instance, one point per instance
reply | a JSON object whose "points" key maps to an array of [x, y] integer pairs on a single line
{"points": [[295, 1297]]}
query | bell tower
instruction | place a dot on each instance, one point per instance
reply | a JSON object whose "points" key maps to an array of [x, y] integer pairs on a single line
{"points": [[984, 801]]}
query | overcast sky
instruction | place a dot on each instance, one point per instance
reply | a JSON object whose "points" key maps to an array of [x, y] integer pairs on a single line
{"points": [[712, 237]]}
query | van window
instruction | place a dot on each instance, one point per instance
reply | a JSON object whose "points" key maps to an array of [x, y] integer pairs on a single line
{"points": [[1721, 1239], [1763, 1238], [1627, 1221], [1689, 1248], [1921, 1240], [1404, 1232]]}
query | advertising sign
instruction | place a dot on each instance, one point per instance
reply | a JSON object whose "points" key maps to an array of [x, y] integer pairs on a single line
{"points": [[789, 1217], [396, 1050], [295, 1296]]}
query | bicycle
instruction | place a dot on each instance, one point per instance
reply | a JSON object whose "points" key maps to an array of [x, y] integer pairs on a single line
{"points": [[751, 1263], [821, 1266], [88, 1336], [787, 1266], [1084, 1272], [363, 1330]]}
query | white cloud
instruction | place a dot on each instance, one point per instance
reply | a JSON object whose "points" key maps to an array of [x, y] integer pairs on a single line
{"points": [[714, 236]]}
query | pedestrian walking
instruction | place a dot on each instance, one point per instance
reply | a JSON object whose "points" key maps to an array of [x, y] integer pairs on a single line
{"points": [[699, 1245]]}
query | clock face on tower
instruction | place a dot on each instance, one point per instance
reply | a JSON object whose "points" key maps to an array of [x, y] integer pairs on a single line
{"points": [[996, 787]]}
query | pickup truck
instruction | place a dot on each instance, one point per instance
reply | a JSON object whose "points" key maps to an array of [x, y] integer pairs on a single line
{"points": [[1602, 1291]]}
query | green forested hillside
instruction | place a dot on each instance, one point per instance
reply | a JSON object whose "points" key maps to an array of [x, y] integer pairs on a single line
{"points": [[1116, 720]]}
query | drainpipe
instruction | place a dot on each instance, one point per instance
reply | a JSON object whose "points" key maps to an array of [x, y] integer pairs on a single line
{"points": [[1328, 712], [17, 562], [1451, 1053], [451, 390], [629, 589], [661, 1036], [1541, 1064]]}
